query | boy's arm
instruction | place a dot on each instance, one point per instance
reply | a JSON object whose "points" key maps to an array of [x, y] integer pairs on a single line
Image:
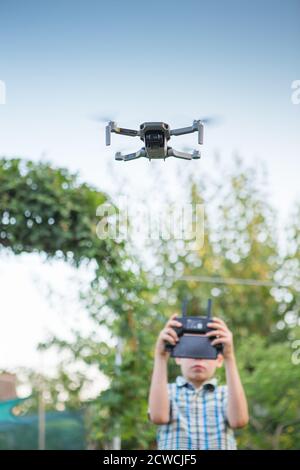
{"points": [[158, 396], [237, 408], [159, 403]]}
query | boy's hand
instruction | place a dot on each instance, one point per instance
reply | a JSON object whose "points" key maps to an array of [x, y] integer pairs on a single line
{"points": [[167, 335], [224, 336]]}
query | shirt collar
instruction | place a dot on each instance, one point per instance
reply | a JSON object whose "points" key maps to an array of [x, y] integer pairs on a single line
{"points": [[209, 384]]}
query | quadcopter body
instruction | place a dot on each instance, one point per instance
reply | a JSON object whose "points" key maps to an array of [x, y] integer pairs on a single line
{"points": [[155, 136]]}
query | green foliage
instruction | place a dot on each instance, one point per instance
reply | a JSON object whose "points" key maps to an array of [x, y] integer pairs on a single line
{"points": [[271, 381], [45, 209], [240, 242]]}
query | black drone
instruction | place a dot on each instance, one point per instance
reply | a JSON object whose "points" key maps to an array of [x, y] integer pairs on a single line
{"points": [[155, 136]]}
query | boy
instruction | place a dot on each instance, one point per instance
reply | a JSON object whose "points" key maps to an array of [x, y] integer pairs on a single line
{"points": [[195, 412]]}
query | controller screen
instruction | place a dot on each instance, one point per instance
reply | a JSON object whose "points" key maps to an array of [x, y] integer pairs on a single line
{"points": [[194, 324]]}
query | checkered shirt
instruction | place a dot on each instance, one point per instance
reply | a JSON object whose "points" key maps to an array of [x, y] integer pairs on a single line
{"points": [[197, 418]]}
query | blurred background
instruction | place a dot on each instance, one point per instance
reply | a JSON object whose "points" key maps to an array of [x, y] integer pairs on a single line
{"points": [[79, 315]]}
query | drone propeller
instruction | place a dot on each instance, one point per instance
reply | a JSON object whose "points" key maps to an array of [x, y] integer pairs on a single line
{"points": [[114, 117], [183, 120], [210, 120], [102, 118]]}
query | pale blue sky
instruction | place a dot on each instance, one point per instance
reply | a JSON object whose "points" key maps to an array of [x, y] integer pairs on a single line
{"points": [[63, 61]]}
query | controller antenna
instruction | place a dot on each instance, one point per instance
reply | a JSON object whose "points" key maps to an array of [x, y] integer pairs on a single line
{"points": [[209, 302], [184, 307]]}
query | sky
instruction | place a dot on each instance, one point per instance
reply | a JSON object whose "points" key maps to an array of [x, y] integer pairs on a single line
{"points": [[63, 62]]}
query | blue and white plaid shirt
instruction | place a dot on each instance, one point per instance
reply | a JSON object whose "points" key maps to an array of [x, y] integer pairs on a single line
{"points": [[197, 418]]}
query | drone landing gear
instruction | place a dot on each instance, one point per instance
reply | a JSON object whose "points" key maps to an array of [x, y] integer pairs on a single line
{"points": [[130, 156], [186, 156], [170, 153]]}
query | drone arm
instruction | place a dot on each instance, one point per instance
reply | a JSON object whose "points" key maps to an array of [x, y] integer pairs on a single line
{"points": [[107, 134], [196, 127], [111, 127], [121, 130], [183, 130]]}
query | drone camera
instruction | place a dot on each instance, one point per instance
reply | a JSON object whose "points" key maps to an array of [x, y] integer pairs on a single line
{"points": [[154, 139]]}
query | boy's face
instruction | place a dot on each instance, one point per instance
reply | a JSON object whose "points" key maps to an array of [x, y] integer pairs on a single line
{"points": [[199, 370]]}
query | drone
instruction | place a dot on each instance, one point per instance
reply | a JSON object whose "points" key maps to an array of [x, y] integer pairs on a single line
{"points": [[155, 136]]}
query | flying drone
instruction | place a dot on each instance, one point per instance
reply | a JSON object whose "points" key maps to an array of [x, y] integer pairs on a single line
{"points": [[155, 136]]}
